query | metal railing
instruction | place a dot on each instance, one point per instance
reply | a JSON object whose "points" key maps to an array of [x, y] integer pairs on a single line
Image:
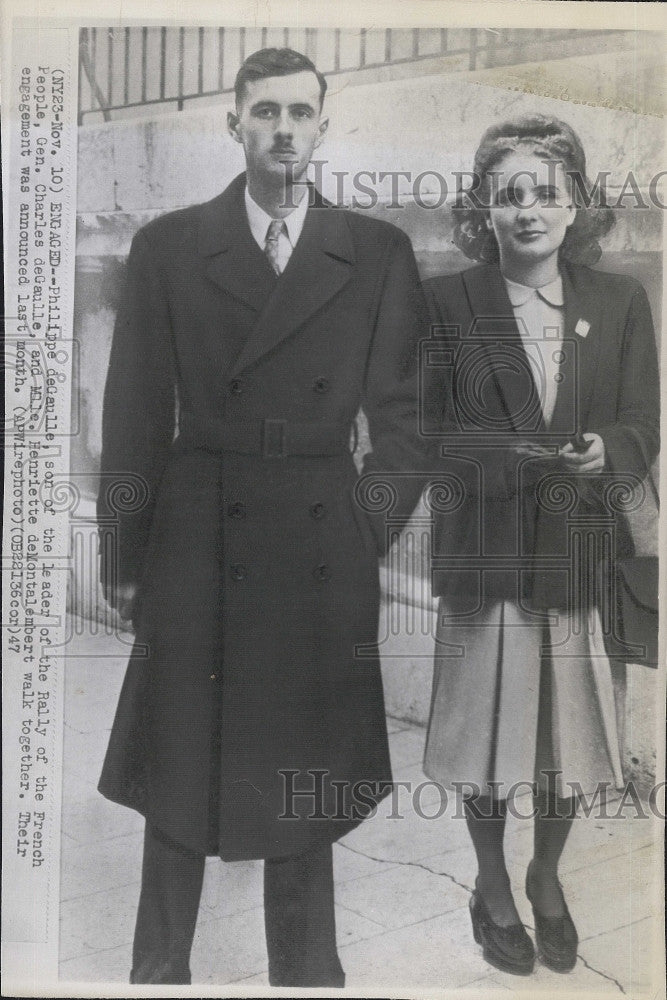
{"points": [[125, 68]]}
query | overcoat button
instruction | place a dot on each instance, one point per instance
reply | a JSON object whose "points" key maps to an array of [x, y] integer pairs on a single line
{"points": [[321, 385], [239, 571], [214, 677], [236, 510], [236, 386], [317, 511], [322, 573]]}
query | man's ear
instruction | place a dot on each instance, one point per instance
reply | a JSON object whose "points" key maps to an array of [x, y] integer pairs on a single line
{"points": [[321, 131], [233, 126]]}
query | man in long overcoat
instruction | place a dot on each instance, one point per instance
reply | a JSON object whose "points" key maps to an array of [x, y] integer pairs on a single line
{"points": [[251, 720]]}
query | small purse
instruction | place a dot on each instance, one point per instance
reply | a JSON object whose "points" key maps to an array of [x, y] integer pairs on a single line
{"points": [[635, 594], [637, 608]]}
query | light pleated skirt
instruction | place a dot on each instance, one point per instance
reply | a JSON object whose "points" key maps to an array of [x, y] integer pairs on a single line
{"points": [[521, 697]]}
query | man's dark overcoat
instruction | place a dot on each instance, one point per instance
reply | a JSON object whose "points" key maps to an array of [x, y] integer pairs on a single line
{"points": [[257, 571], [515, 535]]}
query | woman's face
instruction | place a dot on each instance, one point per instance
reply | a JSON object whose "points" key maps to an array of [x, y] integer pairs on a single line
{"points": [[531, 209]]}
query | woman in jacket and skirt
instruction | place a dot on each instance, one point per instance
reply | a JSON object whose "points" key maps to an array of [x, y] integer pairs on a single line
{"points": [[544, 392]]}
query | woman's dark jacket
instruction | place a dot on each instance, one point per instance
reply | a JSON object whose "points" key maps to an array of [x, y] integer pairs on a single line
{"points": [[508, 526]]}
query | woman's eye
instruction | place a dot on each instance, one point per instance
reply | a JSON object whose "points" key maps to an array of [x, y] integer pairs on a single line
{"points": [[547, 196]]}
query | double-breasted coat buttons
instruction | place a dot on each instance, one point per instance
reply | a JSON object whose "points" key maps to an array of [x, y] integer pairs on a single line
{"points": [[236, 510], [317, 511], [239, 572], [236, 386], [322, 572], [321, 384]]}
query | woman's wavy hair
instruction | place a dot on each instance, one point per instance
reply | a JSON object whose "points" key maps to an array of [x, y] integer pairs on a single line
{"points": [[550, 139]]}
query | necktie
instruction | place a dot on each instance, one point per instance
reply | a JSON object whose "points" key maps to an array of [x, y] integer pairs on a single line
{"points": [[276, 227]]}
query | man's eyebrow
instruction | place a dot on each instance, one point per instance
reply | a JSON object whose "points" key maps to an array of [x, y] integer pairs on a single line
{"points": [[268, 103]]}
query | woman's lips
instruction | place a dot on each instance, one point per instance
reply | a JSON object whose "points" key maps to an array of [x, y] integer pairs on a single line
{"points": [[529, 235]]}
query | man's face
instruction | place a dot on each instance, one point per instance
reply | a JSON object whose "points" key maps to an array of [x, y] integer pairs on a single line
{"points": [[279, 124]]}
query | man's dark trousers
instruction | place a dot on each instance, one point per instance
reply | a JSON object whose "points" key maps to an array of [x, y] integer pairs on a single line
{"points": [[298, 914]]}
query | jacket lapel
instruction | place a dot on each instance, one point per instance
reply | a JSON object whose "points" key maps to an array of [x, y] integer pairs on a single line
{"points": [[513, 401], [581, 346], [320, 265]]}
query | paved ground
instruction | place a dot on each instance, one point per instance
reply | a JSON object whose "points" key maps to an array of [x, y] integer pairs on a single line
{"points": [[403, 885]]}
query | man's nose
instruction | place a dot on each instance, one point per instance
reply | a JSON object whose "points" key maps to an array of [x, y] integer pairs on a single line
{"points": [[284, 124]]}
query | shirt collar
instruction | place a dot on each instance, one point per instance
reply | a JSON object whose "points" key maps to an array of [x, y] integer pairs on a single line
{"points": [[551, 293], [259, 221]]}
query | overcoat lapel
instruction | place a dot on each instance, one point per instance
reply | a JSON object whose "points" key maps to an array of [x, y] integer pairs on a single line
{"points": [[233, 261], [320, 265]]}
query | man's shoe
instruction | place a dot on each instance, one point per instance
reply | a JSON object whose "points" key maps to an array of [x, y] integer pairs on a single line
{"points": [[161, 972], [333, 978]]}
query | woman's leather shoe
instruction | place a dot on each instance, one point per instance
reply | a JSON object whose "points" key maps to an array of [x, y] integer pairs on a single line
{"points": [[507, 948], [556, 937]]}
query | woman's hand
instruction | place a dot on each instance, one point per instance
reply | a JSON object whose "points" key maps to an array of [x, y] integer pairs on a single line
{"points": [[590, 461]]}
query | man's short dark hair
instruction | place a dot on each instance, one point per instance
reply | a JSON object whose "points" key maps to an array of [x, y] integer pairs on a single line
{"points": [[275, 62]]}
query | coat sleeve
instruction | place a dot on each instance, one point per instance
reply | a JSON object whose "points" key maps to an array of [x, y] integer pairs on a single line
{"points": [[137, 421], [632, 442], [396, 465]]}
